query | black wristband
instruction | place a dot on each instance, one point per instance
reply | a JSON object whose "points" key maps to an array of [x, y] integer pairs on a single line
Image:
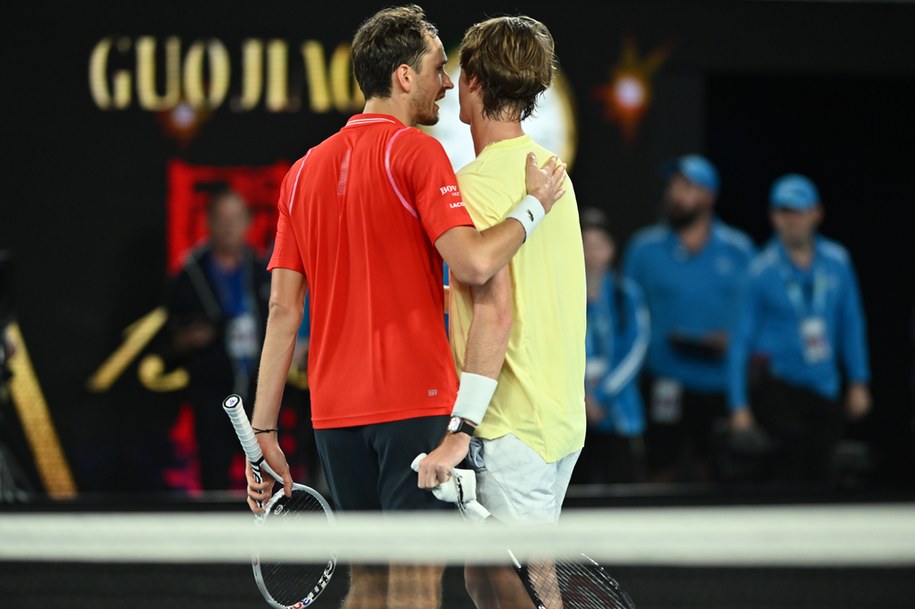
{"points": [[257, 431]]}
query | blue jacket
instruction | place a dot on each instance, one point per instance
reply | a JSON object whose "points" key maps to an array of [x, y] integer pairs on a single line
{"points": [[776, 301], [688, 295], [617, 338]]}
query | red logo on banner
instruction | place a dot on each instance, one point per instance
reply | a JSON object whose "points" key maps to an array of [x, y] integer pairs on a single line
{"points": [[190, 188]]}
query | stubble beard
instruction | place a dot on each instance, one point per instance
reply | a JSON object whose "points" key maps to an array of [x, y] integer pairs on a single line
{"points": [[427, 120], [427, 114]]}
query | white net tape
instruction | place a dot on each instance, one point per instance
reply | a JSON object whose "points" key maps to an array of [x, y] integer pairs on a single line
{"points": [[876, 535]]}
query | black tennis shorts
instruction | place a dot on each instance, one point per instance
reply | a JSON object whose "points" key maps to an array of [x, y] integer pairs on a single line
{"points": [[368, 467]]}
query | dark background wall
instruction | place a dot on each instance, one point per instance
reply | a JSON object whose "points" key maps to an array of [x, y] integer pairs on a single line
{"points": [[824, 88]]}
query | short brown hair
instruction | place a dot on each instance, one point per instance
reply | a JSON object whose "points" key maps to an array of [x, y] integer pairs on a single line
{"points": [[513, 59], [391, 37]]}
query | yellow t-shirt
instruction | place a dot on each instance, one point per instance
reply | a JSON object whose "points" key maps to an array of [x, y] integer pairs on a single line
{"points": [[540, 397]]}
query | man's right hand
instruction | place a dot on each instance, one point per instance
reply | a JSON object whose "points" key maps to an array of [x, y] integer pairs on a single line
{"points": [[260, 492], [436, 467], [545, 183]]}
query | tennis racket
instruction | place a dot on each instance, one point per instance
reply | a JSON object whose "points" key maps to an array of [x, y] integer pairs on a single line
{"points": [[284, 585], [576, 583]]}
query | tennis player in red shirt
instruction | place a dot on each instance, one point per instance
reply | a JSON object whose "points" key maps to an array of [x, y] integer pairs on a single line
{"points": [[366, 218]]}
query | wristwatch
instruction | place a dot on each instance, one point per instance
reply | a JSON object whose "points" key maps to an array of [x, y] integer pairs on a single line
{"points": [[459, 425]]}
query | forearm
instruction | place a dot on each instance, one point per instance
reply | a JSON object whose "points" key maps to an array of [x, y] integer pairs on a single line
{"points": [[276, 359], [855, 353], [854, 334], [484, 353], [490, 329], [631, 364], [487, 342], [287, 297], [737, 370]]}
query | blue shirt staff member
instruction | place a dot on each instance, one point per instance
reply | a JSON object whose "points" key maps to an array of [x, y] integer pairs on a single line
{"points": [[802, 326], [690, 267]]}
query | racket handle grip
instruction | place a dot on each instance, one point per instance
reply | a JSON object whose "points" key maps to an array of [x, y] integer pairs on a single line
{"points": [[236, 410], [476, 510]]}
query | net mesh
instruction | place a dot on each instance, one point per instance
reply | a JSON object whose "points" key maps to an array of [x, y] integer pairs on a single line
{"points": [[801, 557]]}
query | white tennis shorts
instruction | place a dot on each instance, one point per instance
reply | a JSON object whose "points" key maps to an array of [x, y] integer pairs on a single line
{"points": [[515, 484]]}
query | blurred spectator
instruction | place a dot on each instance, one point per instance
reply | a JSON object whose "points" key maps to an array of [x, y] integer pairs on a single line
{"points": [[217, 310], [15, 484], [801, 325], [6, 316], [618, 329], [688, 266]]}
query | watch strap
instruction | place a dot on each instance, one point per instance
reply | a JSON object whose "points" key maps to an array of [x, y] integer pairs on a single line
{"points": [[464, 427]]}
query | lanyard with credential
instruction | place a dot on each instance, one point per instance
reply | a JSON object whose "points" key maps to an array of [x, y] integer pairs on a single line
{"points": [[812, 324], [796, 294]]}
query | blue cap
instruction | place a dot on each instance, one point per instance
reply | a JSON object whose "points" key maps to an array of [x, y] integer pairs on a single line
{"points": [[794, 191], [697, 169]]}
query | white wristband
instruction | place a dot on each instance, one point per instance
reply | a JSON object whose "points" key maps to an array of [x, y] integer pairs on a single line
{"points": [[529, 212], [474, 394]]}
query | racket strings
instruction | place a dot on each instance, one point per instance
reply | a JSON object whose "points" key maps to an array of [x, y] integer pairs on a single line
{"points": [[290, 582], [573, 584], [564, 584]]}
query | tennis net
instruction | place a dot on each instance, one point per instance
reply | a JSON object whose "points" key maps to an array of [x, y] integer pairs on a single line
{"points": [[730, 557]]}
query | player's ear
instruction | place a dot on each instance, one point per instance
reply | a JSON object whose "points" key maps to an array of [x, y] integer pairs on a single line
{"points": [[473, 83], [402, 78]]}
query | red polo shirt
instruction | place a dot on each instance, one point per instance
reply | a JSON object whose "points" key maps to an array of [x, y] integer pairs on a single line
{"points": [[359, 215]]}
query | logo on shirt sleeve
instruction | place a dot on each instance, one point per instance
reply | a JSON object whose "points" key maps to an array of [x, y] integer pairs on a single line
{"points": [[453, 190]]}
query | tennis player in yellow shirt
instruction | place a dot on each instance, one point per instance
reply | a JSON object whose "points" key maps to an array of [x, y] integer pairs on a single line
{"points": [[519, 418]]}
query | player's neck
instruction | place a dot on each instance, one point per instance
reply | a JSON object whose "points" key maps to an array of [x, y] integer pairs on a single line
{"points": [[390, 107], [487, 131]]}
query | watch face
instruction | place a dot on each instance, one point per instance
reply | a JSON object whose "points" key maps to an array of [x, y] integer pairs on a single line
{"points": [[454, 424]]}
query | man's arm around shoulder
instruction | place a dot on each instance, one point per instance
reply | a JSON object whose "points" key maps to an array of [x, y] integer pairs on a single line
{"points": [[475, 256]]}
